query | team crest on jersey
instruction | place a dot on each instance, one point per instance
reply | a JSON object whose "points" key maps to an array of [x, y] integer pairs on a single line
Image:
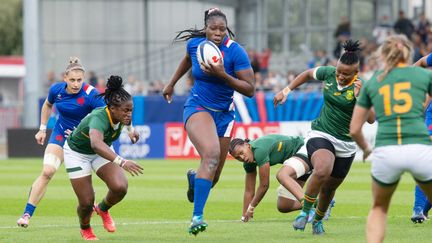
{"points": [[80, 100], [59, 96], [349, 95]]}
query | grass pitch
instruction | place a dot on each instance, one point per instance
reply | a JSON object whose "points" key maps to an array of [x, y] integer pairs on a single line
{"points": [[156, 209]]}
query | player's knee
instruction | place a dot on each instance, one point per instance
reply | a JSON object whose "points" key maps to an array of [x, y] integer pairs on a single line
{"points": [[119, 189], [51, 164], [48, 172], [211, 154], [322, 172], [86, 203]]}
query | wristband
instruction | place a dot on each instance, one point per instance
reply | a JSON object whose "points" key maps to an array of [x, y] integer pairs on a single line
{"points": [[42, 127], [286, 91], [122, 163], [243, 218], [118, 160]]}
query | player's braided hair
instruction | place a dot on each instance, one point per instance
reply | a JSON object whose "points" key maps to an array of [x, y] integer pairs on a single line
{"points": [[115, 94], [185, 35], [395, 49], [74, 64], [235, 142], [350, 56]]}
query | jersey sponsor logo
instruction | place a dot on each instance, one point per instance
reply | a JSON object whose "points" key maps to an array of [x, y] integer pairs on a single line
{"points": [[80, 101], [59, 97], [349, 95], [114, 134], [178, 145], [337, 93]]}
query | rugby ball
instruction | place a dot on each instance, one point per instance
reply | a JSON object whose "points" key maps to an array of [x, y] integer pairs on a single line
{"points": [[208, 52]]}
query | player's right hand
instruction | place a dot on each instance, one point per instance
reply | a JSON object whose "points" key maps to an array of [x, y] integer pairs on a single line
{"points": [[279, 98], [167, 92], [132, 167], [40, 137]]}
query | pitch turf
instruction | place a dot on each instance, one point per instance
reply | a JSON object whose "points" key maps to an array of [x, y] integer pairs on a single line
{"points": [[156, 209]]}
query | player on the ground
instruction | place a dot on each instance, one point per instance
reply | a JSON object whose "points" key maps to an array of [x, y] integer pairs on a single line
{"points": [[88, 148], [209, 111], [402, 144], [329, 146], [74, 99], [263, 153]]}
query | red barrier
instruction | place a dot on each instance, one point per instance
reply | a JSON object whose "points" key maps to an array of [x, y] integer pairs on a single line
{"points": [[178, 145]]}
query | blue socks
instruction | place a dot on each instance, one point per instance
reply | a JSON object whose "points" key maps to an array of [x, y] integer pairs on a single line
{"points": [[421, 200], [29, 209], [202, 189]]}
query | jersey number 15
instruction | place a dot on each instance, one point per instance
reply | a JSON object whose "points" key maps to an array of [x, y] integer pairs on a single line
{"points": [[399, 93]]}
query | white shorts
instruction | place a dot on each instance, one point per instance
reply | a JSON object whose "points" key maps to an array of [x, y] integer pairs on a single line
{"points": [[283, 192], [80, 165], [390, 162], [343, 149]]}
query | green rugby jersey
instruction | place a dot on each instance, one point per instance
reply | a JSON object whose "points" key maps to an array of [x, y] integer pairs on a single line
{"points": [[398, 103], [99, 119], [272, 148], [339, 102]]}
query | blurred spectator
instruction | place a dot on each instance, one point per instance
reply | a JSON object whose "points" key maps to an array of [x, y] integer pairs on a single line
{"points": [[382, 30], [423, 27], [264, 59], [342, 34], [419, 47], [92, 78], [51, 79], [320, 58], [101, 85], [132, 85], [155, 87], [253, 58], [404, 25]]}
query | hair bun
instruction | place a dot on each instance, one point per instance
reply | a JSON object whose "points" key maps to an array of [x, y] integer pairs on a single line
{"points": [[351, 46], [114, 82], [74, 60]]}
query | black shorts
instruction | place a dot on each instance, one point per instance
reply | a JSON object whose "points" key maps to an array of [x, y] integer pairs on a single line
{"points": [[341, 166]]}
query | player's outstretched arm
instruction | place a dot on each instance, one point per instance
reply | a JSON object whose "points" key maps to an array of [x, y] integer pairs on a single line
{"points": [[250, 180], [282, 95], [422, 62], [264, 177]]}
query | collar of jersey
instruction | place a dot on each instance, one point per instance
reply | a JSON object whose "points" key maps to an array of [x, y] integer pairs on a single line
{"points": [[401, 65], [114, 126]]}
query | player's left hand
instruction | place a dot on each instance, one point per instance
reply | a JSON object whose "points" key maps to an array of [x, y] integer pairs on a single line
{"points": [[357, 87], [134, 136], [279, 98], [132, 167], [249, 214]]}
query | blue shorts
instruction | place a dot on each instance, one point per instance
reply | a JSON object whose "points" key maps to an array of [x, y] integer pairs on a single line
{"points": [[428, 122], [224, 120], [57, 136]]}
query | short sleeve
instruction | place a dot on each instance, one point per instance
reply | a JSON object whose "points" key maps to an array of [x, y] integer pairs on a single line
{"points": [[429, 60], [323, 72], [249, 167], [99, 123], [364, 98], [52, 93], [241, 59]]}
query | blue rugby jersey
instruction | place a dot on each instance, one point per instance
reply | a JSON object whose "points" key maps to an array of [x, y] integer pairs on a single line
{"points": [[72, 108], [210, 91]]}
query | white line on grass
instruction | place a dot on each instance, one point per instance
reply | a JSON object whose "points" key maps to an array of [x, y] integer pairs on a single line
{"points": [[177, 222]]}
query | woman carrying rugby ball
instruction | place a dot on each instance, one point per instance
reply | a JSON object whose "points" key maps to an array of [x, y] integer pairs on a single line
{"points": [[209, 111]]}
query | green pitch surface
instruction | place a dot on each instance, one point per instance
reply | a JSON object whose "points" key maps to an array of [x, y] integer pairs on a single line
{"points": [[156, 209]]}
